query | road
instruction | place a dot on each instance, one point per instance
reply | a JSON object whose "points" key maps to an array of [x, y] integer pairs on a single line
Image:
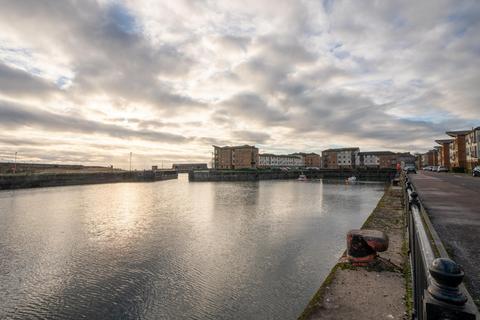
{"points": [[453, 204]]}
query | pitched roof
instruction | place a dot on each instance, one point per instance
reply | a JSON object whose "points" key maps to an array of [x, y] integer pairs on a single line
{"points": [[306, 154], [234, 147], [342, 149], [377, 153], [279, 155]]}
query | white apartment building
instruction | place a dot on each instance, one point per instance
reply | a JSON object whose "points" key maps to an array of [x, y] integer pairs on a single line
{"points": [[268, 160], [346, 157], [365, 159], [374, 159]]}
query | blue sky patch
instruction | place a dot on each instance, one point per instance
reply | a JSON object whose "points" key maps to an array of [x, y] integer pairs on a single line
{"points": [[123, 19]]}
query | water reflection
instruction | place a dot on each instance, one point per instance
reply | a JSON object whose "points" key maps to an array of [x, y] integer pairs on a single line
{"points": [[173, 249]]}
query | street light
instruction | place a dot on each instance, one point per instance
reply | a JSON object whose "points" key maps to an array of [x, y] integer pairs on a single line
{"points": [[15, 164], [130, 162]]}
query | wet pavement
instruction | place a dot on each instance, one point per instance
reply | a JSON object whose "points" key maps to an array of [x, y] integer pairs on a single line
{"points": [[453, 204]]}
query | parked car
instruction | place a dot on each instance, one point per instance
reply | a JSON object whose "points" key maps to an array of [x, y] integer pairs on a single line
{"points": [[434, 168], [409, 169], [442, 169], [476, 171]]}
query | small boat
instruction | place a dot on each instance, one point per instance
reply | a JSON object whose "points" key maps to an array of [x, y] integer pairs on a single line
{"points": [[302, 177], [352, 179]]}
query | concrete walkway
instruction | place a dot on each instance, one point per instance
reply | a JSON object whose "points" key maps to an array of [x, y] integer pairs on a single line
{"points": [[453, 205], [364, 293]]}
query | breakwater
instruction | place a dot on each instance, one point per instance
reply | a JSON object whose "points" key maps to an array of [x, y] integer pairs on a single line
{"points": [[20, 181], [254, 175]]}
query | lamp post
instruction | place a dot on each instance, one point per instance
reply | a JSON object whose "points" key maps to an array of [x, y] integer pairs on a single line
{"points": [[15, 164], [130, 162]]}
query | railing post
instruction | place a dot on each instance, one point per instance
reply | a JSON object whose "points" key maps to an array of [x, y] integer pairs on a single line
{"points": [[414, 201], [437, 283], [444, 299], [446, 277]]}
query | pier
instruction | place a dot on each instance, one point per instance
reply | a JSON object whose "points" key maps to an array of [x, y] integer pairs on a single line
{"points": [[35, 180], [374, 292]]}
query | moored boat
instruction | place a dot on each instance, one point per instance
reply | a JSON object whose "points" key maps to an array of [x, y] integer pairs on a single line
{"points": [[302, 177], [352, 179]]}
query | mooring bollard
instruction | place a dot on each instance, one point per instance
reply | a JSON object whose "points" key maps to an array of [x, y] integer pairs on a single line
{"points": [[363, 245]]}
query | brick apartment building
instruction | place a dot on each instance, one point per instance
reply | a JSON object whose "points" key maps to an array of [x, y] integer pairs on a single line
{"points": [[472, 145], [339, 158], [329, 159], [376, 159], [444, 152], [458, 155], [311, 160], [418, 160], [405, 158], [235, 157], [430, 158]]}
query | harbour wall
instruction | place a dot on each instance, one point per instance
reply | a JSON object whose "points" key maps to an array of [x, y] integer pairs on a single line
{"points": [[381, 290], [19, 181], [255, 175]]}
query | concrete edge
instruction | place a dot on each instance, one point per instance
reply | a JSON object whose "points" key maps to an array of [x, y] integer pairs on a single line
{"points": [[406, 271]]}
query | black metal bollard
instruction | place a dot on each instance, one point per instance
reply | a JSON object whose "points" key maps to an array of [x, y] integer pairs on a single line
{"points": [[409, 185], [446, 299], [414, 200], [447, 276]]}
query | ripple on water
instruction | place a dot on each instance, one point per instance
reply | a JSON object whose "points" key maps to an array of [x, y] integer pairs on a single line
{"points": [[173, 250]]}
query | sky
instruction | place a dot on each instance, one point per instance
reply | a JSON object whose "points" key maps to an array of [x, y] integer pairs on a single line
{"points": [[91, 81]]}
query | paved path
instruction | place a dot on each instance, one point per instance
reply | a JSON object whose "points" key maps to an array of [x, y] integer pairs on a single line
{"points": [[453, 204]]}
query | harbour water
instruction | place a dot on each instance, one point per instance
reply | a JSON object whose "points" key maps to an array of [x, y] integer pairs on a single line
{"points": [[173, 249]]}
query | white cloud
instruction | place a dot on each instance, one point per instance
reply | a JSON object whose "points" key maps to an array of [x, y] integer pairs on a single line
{"points": [[290, 74]]}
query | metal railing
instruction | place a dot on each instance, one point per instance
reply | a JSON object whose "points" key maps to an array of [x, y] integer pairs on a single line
{"points": [[438, 292]]}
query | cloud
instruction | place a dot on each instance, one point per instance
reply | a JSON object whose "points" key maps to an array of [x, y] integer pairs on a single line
{"points": [[16, 116], [16, 82], [285, 74], [245, 136], [250, 106], [107, 51]]}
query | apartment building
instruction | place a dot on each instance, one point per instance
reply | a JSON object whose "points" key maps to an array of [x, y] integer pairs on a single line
{"points": [[458, 155], [444, 152], [430, 158], [268, 160], [376, 159], [405, 158], [235, 157], [329, 159], [472, 145], [418, 160], [311, 160], [339, 158]]}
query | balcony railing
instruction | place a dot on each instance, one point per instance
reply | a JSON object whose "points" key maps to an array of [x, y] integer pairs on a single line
{"points": [[438, 291]]}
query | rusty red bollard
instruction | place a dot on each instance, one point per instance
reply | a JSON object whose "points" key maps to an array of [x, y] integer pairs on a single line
{"points": [[363, 245]]}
